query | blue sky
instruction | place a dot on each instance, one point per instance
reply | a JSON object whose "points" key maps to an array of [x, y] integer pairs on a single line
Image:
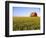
{"points": [[25, 11]]}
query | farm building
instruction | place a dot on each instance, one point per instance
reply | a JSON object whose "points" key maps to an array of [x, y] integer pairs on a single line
{"points": [[33, 14]]}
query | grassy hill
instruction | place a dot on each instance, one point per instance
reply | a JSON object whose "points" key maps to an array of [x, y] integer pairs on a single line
{"points": [[26, 23]]}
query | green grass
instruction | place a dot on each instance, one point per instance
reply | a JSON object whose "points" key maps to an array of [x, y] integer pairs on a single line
{"points": [[26, 23]]}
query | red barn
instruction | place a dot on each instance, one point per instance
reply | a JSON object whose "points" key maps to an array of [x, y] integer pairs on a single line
{"points": [[34, 14]]}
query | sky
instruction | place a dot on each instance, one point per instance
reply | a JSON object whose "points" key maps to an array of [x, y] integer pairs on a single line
{"points": [[25, 11]]}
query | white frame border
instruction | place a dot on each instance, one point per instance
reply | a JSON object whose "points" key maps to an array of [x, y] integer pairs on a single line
{"points": [[24, 32]]}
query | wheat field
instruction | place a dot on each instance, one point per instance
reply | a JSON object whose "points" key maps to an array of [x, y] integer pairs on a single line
{"points": [[26, 23]]}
